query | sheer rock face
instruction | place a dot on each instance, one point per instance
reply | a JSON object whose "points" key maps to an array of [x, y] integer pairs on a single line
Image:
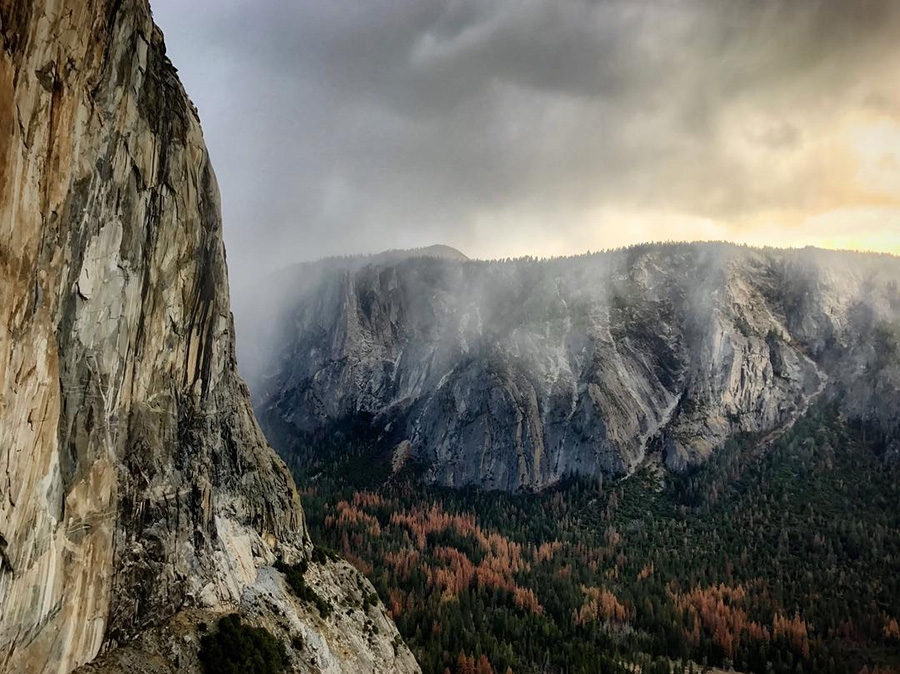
{"points": [[134, 479], [511, 375]]}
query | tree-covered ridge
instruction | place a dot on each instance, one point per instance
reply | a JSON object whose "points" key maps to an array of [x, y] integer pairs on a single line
{"points": [[768, 559]]}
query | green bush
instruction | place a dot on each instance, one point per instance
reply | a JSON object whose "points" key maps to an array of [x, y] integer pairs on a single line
{"points": [[235, 648], [322, 555], [293, 574]]}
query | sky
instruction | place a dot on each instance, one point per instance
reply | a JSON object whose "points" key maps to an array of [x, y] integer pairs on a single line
{"points": [[543, 127]]}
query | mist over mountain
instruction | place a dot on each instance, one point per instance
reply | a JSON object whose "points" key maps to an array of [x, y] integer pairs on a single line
{"points": [[260, 305], [513, 374]]}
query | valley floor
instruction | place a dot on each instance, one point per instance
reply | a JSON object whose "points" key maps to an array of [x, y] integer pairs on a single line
{"points": [[783, 561]]}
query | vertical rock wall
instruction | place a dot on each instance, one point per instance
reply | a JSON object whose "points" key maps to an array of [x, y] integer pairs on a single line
{"points": [[134, 479], [512, 375]]}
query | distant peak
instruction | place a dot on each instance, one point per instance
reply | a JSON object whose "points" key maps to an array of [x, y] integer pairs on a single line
{"points": [[437, 250]]}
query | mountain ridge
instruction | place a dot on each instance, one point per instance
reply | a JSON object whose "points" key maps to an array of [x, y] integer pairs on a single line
{"points": [[669, 348]]}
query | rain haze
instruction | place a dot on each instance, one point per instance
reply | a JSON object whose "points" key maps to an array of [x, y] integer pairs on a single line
{"points": [[543, 127]]}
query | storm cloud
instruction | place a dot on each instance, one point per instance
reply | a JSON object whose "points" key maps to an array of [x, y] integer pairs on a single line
{"points": [[508, 127]]}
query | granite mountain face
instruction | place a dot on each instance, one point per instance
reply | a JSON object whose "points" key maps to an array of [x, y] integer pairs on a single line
{"points": [[138, 497], [511, 375]]}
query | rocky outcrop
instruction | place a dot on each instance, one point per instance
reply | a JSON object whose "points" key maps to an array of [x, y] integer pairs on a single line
{"points": [[511, 375], [135, 483], [356, 637]]}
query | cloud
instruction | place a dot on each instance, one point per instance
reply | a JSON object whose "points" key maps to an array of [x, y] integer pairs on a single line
{"points": [[505, 126], [884, 104]]}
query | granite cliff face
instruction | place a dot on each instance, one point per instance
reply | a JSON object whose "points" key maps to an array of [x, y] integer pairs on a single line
{"points": [[511, 375], [136, 489]]}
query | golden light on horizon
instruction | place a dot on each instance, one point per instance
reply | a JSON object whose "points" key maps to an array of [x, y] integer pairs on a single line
{"points": [[846, 173]]}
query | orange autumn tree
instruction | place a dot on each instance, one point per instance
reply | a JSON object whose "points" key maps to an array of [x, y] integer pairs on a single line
{"points": [[483, 666], [717, 609], [502, 558], [601, 604], [795, 630], [465, 664]]}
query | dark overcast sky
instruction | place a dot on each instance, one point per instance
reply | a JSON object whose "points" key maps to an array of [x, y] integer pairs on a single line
{"points": [[509, 127]]}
